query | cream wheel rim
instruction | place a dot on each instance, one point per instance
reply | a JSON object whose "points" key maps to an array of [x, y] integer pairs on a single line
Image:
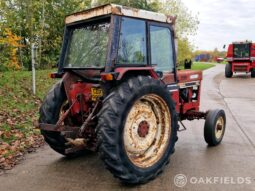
{"points": [[147, 130]]}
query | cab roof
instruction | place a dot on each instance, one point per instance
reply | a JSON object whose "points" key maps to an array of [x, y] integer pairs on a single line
{"points": [[118, 10], [242, 42]]}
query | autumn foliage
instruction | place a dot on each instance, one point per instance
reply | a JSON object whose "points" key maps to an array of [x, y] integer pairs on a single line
{"points": [[10, 43]]}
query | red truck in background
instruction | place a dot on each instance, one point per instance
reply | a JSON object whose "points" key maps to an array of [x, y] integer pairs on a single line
{"points": [[241, 58]]}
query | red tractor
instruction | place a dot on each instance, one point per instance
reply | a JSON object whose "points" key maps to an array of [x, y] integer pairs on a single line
{"points": [[241, 58], [120, 93]]}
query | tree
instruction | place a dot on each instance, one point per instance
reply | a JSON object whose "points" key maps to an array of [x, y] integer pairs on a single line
{"points": [[39, 22], [185, 50], [186, 25], [10, 42]]}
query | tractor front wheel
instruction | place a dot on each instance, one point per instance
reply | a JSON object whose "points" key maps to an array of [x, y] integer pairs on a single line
{"points": [[137, 130], [228, 70], [214, 127]]}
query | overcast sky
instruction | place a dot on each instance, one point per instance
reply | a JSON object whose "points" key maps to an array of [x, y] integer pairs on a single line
{"points": [[222, 21]]}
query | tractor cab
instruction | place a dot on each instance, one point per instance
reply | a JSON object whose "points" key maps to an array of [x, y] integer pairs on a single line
{"points": [[109, 37]]}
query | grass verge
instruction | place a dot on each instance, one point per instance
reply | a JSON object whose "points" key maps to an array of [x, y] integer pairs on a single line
{"points": [[19, 112]]}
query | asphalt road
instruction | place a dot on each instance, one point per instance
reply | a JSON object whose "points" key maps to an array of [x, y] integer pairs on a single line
{"points": [[229, 166]]}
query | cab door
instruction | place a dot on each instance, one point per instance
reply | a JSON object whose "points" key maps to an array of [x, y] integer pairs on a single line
{"points": [[162, 51], [163, 57]]}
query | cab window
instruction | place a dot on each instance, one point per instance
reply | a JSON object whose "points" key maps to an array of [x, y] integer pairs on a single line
{"points": [[161, 48], [132, 42]]}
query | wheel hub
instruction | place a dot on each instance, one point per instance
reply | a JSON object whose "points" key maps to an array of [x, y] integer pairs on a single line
{"points": [[219, 128], [143, 129]]}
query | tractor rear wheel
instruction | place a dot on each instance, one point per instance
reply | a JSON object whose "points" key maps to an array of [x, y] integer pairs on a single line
{"points": [[214, 128], [228, 70], [253, 73], [50, 111], [137, 130]]}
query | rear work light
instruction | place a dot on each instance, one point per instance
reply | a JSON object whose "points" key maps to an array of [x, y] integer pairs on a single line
{"points": [[109, 76]]}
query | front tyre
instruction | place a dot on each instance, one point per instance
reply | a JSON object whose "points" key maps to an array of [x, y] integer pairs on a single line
{"points": [[228, 70], [214, 128], [137, 130]]}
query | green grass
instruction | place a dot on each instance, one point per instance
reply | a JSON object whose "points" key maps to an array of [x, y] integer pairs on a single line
{"points": [[202, 66], [16, 92], [199, 66], [19, 108]]}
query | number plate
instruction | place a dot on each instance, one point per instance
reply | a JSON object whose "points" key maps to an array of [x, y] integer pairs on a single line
{"points": [[96, 93]]}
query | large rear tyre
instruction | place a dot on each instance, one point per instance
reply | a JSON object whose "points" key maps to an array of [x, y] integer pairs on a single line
{"points": [[49, 113], [214, 128], [137, 130], [228, 70]]}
